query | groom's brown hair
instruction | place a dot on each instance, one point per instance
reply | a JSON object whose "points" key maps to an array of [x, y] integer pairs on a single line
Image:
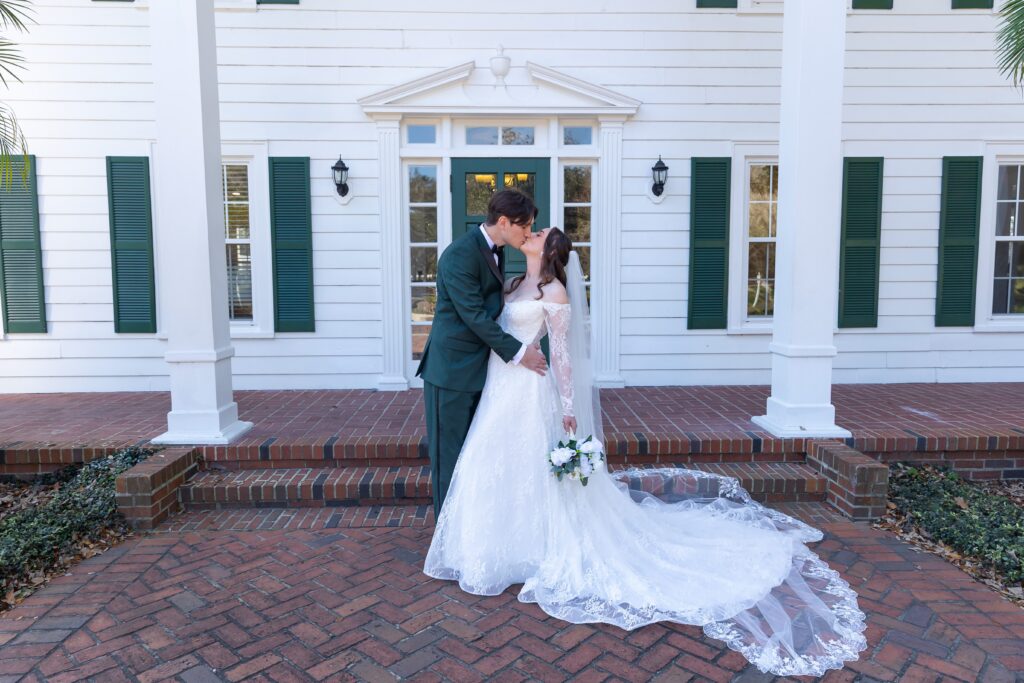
{"points": [[515, 205]]}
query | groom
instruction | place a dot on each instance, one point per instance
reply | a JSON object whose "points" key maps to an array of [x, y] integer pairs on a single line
{"points": [[469, 298]]}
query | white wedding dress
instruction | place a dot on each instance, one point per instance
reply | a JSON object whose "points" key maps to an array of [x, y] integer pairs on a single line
{"points": [[633, 547]]}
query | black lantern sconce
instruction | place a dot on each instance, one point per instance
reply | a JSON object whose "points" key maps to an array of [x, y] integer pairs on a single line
{"points": [[660, 173], [341, 176]]}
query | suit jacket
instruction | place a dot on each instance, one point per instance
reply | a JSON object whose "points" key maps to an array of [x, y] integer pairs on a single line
{"points": [[469, 299]]}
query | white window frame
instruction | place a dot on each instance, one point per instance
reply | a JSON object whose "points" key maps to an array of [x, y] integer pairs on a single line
{"points": [[744, 155], [441, 244], [984, 320], [558, 219], [255, 155]]}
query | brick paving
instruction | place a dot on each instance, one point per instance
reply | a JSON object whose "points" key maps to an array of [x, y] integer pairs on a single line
{"points": [[870, 411], [337, 594]]}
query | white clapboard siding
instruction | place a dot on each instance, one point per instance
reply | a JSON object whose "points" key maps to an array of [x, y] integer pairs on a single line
{"points": [[920, 83]]}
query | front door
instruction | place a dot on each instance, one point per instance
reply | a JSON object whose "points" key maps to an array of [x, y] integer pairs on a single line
{"points": [[475, 180]]}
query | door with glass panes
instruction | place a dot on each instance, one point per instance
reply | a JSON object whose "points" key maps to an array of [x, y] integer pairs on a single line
{"points": [[474, 181]]}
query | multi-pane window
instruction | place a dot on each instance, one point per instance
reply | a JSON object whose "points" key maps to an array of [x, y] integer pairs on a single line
{"points": [[577, 207], [238, 240], [422, 252], [762, 224], [1008, 285], [504, 135]]}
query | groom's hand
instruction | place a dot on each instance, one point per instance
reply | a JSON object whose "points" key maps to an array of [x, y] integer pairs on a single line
{"points": [[533, 359]]}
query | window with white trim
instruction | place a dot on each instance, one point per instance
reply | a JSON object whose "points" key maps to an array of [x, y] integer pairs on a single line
{"points": [[423, 203], [577, 210], [1008, 269], [238, 240], [760, 232]]}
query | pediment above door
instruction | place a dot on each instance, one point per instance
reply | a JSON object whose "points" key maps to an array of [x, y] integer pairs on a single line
{"points": [[468, 90]]}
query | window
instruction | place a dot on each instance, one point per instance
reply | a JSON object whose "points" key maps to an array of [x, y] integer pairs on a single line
{"points": [[577, 135], [509, 135], [238, 241], [760, 235], [1008, 271], [422, 252], [421, 134], [577, 210]]}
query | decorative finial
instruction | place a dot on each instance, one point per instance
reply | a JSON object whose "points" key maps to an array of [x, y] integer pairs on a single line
{"points": [[500, 65]]}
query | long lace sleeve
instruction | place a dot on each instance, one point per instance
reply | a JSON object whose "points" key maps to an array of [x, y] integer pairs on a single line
{"points": [[557, 317]]}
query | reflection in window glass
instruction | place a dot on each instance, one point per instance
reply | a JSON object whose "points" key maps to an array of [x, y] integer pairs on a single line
{"points": [[238, 242], [763, 197], [482, 135], [517, 135], [422, 180], [1008, 273], [577, 207], [421, 134], [577, 135]]}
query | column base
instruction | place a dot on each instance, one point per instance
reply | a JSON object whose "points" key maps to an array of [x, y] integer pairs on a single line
{"points": [[801, 421], [609, 382], [221, 438], [392, 383]]}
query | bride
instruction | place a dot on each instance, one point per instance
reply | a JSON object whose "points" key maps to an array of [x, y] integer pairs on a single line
{"points": [[632, 547]]}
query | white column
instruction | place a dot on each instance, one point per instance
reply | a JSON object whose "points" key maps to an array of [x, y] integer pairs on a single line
{"points": [[807, 262], [396, 328], [190, 216], [607, 254]]}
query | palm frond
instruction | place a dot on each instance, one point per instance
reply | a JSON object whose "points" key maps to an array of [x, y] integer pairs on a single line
{"points": [[10, 59], [12, 143], [1010, 41], [15, 14]]}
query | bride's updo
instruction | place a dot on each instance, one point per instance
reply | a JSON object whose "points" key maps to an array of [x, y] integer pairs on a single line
{"points": [[553, 260]]}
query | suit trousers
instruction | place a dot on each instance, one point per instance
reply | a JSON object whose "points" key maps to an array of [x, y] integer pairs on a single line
{"points": [[449, 414]]}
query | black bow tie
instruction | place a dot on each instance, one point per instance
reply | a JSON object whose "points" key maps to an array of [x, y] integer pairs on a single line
{"points": [[497, 251]]}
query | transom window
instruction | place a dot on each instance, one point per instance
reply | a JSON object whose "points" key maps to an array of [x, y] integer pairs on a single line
{"points": [[762, 224], [1008, 284], [495, 135], [238, 241], [577, 208], [422, 181]]}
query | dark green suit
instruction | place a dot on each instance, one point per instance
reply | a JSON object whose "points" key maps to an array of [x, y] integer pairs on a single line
{"points": [[454, 363]]}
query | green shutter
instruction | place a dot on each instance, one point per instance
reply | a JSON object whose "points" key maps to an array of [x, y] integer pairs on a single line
{"points": [[958, 241], [131, 244], [860, 242], [21, 256], [291, 229], [709, 242], [972, 4], [872, 4], [704, 4]]}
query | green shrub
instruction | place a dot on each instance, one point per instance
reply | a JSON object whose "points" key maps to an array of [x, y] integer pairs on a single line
{"points": [[35, 540], [961, 515]]}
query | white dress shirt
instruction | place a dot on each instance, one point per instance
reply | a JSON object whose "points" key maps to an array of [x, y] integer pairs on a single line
{"points": [[490, 245]]}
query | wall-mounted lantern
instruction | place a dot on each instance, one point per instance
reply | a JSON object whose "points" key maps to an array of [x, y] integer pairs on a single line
{"points": [[660, 173], [341, 177]]}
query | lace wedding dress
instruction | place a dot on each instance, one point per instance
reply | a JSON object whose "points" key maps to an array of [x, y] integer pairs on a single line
{"points": [[632, 547]]}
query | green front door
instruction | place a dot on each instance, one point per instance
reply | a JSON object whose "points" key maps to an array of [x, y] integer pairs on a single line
{"points": [[475, 180]]}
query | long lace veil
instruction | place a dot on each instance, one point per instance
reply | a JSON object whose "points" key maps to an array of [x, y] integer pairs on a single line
{"points": [[588, 401]]}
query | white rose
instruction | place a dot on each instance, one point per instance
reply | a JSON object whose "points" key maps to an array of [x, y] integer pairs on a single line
{"points": [[560, 456], [592, 446], [586, 469]]}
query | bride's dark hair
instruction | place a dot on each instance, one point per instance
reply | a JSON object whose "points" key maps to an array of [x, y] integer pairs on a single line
{"points": [[553, 260]]}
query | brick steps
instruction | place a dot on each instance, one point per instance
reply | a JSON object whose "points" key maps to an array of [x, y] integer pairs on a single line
{"points": [[410, 485]]}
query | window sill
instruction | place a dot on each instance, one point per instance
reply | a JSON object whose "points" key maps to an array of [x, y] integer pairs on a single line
{"points": [[249, 332], [990, 325], [750, 328]]}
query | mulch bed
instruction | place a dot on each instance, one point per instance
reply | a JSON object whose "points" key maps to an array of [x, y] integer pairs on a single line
{"points": [[899, 522]]}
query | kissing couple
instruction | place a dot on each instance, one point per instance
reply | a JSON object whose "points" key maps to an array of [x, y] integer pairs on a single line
{"points": [[701, 552]]}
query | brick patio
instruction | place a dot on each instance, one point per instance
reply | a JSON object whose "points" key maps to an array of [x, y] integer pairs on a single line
{"points": [[321, 594]]}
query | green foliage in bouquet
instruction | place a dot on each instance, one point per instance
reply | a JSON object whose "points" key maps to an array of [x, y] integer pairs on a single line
{"points": [[571, 467]]}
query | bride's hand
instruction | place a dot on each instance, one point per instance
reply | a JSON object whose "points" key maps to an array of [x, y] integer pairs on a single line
{"points": [[569, 424]]}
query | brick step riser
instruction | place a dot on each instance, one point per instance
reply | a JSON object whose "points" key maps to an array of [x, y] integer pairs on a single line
{"points": [[228, 496], [234, 464]]}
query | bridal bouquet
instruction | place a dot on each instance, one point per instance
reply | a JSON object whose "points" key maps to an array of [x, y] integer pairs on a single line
{"points": [[576, 459]]}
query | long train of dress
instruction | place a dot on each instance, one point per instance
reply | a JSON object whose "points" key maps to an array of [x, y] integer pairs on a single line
{"points": [[632, 547]]}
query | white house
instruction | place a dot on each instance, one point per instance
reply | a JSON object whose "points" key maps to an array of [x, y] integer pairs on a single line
{"points": [[155, 250]]}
